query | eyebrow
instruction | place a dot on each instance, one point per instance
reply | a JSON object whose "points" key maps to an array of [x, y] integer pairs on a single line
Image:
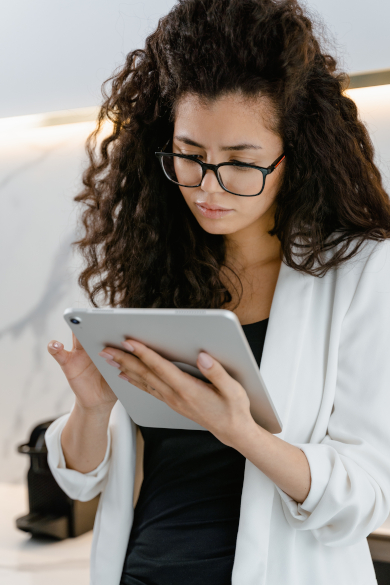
{"points": [[242, 146]]}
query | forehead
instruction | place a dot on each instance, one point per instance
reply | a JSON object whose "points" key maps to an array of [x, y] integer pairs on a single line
{"points": [[226, 115]]}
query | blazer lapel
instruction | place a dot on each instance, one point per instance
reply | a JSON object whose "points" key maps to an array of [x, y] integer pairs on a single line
{"points": [[284, 338]]}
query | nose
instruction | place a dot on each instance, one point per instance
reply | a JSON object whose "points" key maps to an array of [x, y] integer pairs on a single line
{"points": [[210, 182]]}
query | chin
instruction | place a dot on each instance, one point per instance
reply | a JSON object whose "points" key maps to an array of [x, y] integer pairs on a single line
{"points": [[217, 227]]}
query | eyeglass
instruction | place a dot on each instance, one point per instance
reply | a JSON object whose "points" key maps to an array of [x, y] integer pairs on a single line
{"points": [[237, 178]]}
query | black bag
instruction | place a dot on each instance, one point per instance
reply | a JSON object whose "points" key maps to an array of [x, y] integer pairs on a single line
{"points": [[52, 512]]}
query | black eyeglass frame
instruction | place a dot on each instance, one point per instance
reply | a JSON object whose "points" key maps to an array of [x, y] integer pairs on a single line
{"points": [[264, 170]]}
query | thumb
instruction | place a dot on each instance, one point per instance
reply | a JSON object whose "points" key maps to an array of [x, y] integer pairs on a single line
{"points": [[57, 350]]}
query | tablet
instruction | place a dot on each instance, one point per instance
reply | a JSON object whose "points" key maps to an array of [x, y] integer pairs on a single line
{"points": [[178, 335]]}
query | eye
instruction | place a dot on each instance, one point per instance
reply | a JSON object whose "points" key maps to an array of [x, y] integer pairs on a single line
{"points": [[241, 161], [193, 155]]}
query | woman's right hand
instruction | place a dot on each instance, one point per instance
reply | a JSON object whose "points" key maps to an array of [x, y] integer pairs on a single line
{"points": [[91, 390]]}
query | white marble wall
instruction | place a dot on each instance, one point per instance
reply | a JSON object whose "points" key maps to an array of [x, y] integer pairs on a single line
{"points": [[39, 174]]}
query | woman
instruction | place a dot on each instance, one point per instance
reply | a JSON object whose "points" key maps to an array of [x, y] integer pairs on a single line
{"points": [[237, 176]]}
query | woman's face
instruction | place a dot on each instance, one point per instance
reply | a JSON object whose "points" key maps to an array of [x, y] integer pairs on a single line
{"points": [[232, 128]]}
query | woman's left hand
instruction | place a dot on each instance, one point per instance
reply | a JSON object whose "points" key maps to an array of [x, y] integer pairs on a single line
{"points": [[222, 407]]}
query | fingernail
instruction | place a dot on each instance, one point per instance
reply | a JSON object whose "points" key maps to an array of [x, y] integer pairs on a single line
{"points": [[124, 377], [105, 355], [112, 363], [56, 345], [127, 345], [205, 360]]}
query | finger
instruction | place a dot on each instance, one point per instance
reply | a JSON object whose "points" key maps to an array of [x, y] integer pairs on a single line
{"points": [[162, 368], [148, 367], [137, 373], [216, 373], [146, 380], [142, 386], [57, 350]]}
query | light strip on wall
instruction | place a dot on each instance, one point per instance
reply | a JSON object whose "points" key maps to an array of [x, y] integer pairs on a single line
{"points": [[73, 116], [14, 123], [370, 78]]}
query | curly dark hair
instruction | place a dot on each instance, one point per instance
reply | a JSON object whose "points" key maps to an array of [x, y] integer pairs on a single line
{"points": [[139, 254]]}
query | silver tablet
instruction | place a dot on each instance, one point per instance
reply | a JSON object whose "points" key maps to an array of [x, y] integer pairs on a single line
{"points": [[178, 335]]}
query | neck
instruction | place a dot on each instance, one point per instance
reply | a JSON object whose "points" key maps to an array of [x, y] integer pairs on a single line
{"points": [[252, 246]]}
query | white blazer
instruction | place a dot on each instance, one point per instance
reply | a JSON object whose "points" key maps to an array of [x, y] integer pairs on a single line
{"points": [[326, 363]]}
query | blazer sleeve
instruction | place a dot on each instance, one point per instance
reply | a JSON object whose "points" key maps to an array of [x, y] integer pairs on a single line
{"points": [[76, 485], [349, 495]]}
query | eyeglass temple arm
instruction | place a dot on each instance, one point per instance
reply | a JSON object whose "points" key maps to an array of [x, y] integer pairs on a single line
{"points": [[277, 163]]}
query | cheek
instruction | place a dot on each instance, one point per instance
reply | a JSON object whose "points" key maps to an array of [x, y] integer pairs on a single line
{"points": [[254, 209], [257, 206], [183, 191]]}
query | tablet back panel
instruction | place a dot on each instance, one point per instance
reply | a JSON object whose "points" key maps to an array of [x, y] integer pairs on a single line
{"points": [[178, 335]]}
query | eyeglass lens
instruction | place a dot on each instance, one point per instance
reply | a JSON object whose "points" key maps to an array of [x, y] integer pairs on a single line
{"points": [[239, 180]]}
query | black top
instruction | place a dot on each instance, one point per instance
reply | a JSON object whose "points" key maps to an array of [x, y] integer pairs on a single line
{"points": [[186, 518]]}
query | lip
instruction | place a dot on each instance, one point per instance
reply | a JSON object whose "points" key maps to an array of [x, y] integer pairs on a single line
{"points": [[213, 207], [212, 211]]}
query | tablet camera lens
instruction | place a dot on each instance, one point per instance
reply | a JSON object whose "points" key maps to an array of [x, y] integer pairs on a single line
{"points": [[75, 321]]}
